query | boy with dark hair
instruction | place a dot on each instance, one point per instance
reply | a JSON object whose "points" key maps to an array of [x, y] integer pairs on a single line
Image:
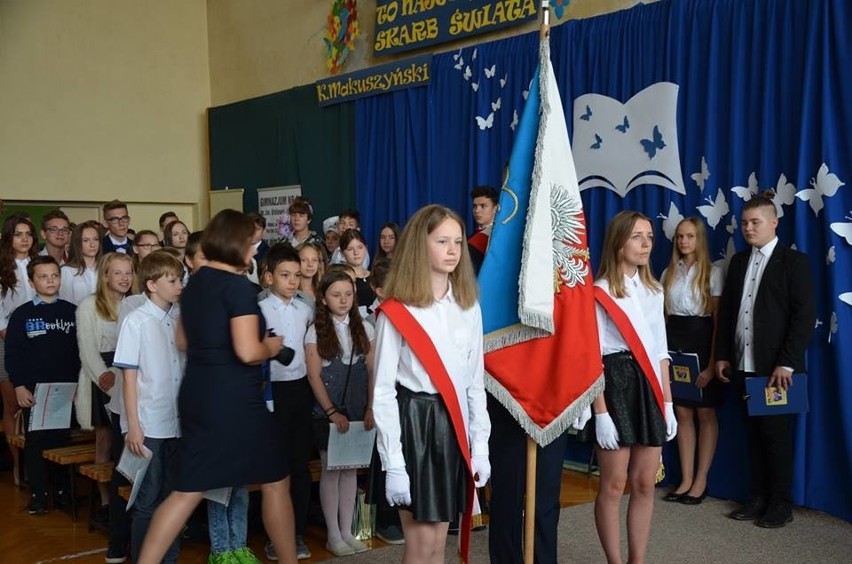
{"points": [[153, 370], [117, 222], [301, 213], [292, 397], [56, 232], [41, 347], [485, 200], [349, 218]]}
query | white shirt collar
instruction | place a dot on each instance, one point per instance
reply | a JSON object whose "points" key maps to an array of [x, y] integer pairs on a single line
{"points": [[449, 297], [767, 249], [116, 241], [157, 311], [344, 321], [278, 302]]}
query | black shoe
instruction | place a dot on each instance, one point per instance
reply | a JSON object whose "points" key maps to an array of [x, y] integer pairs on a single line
{"points": [[687, 499], [38, 505], [61, 499], [672, 496], [752, 510], [115, 555], [775, 517]]}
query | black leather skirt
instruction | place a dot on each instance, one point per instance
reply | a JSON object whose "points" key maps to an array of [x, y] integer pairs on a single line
{"points": [[433, 459]]}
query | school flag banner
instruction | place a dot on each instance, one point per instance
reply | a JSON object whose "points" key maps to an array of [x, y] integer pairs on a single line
{"points": [[542, 353]]}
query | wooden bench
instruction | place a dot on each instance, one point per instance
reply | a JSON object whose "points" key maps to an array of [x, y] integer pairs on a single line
{"points": [[72, 457], [99, 474], [77, 437]]}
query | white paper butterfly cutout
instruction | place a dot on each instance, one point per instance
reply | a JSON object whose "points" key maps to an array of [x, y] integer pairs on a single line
{"points": [[503, 80], [731, 227], [830, 255], [716, 210], [514, 123], [474, 54], [825, 185], [785, 195], [702, 175], [489, 72], [496, 105], [846, 297], [832, 326], [730, 251], [474, 86], [843, 229], [747, 192], [671, 220], [467, 73], [485, 123]]}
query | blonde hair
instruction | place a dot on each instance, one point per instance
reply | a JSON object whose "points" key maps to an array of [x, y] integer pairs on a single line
{"points": [[409, 279], [618, 231], [701, 282], [105, 306]]}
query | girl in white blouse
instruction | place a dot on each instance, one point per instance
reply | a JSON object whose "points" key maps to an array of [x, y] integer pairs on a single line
{"points": [[431, 277], [17, 248], [80, 274], [339, 357], [98, 399], [692, 286], [630, 423]]}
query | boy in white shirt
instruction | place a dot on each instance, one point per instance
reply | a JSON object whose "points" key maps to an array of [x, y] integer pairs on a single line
{"points": [[292, 397], [153, 368]]}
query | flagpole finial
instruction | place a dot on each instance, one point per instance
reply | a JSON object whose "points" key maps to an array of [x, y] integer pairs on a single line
{"points": [[544, 32]]}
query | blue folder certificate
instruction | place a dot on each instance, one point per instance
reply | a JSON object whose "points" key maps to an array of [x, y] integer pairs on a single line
{"points": [[776, 401], [684, 371]]}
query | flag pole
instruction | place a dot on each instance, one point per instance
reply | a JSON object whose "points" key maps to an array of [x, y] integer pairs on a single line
{"points": [[532, 447]]}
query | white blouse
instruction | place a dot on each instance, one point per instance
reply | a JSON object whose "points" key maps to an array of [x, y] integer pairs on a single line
{"points": [[644, 308], [457, 335], [682, 299], [75, 286], [17, 296], [343, 337]]}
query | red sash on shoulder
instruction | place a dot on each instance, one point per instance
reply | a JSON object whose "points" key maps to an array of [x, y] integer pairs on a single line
{"points": [[421, 344], [625, 327], [479, 241]]}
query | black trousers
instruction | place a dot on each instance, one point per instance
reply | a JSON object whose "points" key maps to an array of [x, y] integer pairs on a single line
{"points": [[119, 520], [36, 466], [294, 402], [770, 450], [507, 449]]}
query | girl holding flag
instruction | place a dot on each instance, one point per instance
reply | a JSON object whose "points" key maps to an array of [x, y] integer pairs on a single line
{"points": [[429, 398], [634, 415]]}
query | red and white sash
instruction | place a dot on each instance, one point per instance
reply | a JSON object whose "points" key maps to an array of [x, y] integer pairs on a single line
{"points": [[421, 345], [634, 342]]}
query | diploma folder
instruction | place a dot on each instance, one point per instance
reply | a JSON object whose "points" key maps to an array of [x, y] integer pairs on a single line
{"points": [[684, 371], [775, 401]]}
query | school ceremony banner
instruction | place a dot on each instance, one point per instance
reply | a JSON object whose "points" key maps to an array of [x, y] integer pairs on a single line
{"points": [[403, 25]]}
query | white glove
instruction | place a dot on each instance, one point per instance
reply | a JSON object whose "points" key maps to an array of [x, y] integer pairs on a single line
{"points": [[605, 431], [482, 468], [671, 421], [270, 406], [581, 420], [397, 487]]}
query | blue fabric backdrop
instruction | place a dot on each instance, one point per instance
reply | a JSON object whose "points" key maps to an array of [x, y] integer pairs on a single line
{"points": [[764, 91]]}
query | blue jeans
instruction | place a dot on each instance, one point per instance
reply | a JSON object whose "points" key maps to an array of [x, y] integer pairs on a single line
{"points": [[228, 526], [156, 486]]}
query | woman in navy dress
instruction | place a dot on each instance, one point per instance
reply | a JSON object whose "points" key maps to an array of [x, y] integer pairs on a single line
{"points": [[228, 437]]}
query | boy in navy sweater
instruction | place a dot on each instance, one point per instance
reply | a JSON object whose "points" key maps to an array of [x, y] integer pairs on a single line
{"points": [[41, 347]]}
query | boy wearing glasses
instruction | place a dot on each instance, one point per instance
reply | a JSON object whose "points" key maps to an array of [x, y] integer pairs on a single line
{"points": [[116, 222], [41, 347], [55, 230]]}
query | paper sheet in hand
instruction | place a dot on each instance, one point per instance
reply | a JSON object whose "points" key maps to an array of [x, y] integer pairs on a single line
{"points": [[134, 468], [775, 401], [684, 370], [352, 449], [52, 409]]}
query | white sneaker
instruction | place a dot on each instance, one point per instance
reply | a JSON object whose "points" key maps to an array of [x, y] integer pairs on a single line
{"points": [[302, 550], [356, 545], [339, 548]]}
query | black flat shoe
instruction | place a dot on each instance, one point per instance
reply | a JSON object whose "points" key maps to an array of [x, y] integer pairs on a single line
{"points": [[776, 516], [687, 499], [674, 497]]}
